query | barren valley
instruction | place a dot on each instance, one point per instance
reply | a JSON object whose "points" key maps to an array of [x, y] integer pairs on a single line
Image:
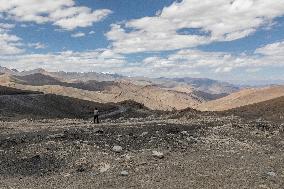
{"points": [[150, 136]]}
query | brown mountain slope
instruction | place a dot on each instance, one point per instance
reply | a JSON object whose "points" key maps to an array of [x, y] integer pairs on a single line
{"points": [[272, 110], [242, 98], [152, 97]]}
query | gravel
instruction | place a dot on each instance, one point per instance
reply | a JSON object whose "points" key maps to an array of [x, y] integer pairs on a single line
{"points": [[67, 153]]}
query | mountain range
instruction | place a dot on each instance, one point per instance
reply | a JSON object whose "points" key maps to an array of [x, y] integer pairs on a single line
{"points": [[154, 93]]}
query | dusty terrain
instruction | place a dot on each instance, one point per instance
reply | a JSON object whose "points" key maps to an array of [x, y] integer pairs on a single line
{"points": [[154, 152]]}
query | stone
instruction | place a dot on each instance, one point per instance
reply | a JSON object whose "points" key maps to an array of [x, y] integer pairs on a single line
{"points": [[127, 157], [192, 139], [124, 173], [271, 173], [184, 133], [104, 168], [117, 149], [157, 154], [98, 131], [144, 133]]}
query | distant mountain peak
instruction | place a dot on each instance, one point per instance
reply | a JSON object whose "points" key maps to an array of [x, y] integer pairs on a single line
{"points": [[5, 70]]}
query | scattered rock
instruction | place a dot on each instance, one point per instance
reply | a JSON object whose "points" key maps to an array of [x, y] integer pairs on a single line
{"points": [[143, 163], [81, 168], [104, 168], [56, 136], [263, 186], [77, 142], [127, 157], [117, 149], [124, 173], [271, 173], [144, 133], [184, 133], [67, 175], [192, 139], [98, 131], [157, 154]]}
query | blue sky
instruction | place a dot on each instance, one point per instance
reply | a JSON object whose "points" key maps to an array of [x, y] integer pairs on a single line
{"points": [[240, 40]]}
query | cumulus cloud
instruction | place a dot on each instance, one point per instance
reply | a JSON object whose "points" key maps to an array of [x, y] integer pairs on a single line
{"points": [[186, 62], [9, 44], [98, 60], [182, 61], [276, 49], [63, 13], [219, 20], [79, 34], [37, 45], [5, 26]]}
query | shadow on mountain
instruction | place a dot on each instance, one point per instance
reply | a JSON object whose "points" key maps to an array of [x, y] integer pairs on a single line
{"points": [[209, 96], [16, 104], [39, 79], [12, 91]]}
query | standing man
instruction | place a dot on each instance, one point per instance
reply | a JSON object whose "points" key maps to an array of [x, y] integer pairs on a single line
{"points": [[96, 115]]}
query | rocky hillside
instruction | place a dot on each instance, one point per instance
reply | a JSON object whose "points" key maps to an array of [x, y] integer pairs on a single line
{"points": [[17, 104], [48, 106], [272, 110], [242, 98]]}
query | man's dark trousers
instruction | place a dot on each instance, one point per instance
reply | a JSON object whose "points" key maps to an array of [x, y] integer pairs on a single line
{"points": [[96, 118]]}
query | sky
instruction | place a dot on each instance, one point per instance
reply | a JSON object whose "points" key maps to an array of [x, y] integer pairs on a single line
{"points": [[230, 40]]}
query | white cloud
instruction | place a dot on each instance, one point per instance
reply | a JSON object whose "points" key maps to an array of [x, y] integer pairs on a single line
{"points": [[272, 54], [63, 13], [276, 49], [37, 45], [67, 61], [193, 63], [6, 26], [9, 44], [253, 70], [79, 34], [219, 20], [223, 70], [186, 62]]}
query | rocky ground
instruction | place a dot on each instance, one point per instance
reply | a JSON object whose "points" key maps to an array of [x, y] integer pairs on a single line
{"points": [[155, 152]]}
